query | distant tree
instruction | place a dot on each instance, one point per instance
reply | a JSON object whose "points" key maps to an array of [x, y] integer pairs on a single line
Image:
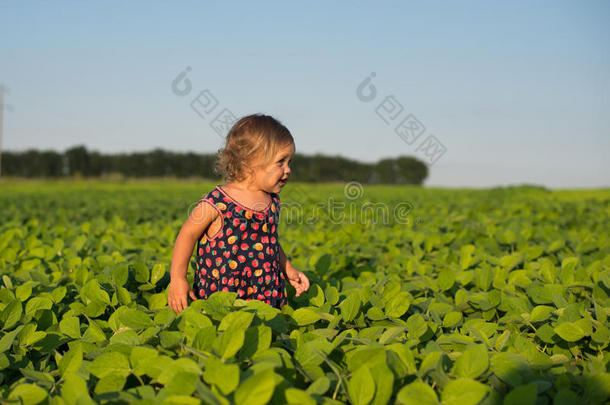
{"points": [[410, 170], [78, 161], [401, 170], [158, 162]]}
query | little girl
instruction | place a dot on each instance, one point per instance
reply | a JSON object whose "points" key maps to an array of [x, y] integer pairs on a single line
{"points": [[235, 225]]}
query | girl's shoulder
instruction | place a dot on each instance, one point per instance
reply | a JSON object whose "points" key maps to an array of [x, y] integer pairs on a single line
{"points": [[213, 196], [214, 192], [275, 198]]}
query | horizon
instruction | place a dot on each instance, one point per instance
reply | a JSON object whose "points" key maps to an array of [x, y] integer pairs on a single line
{"points": [[158, 178]]}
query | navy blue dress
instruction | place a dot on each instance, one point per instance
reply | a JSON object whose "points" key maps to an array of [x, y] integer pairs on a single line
{"points": [[244, 254]]}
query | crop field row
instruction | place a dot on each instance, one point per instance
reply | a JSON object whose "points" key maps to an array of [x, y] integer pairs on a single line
{"points": [[456, 297]]}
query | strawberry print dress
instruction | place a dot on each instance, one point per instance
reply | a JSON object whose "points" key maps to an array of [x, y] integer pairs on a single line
{"points": [[243, 256]]}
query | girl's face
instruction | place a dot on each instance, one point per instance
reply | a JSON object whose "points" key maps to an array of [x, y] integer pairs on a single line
{"points": [[273, 176]]}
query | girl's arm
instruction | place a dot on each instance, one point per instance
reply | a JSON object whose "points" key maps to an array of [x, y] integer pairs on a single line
{"points": [[194, 226], [285, 264], [296, 278]]}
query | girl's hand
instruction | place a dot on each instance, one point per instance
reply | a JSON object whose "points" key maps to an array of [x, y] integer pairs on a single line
{"points": [[298, 280], [179, 288]]}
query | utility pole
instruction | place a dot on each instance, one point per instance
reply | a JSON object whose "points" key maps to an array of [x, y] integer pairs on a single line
{"points": [[1, 122], [3, 89]]}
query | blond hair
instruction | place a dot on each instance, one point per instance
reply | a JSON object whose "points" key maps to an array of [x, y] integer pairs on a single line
{"points": [[253, 141]]}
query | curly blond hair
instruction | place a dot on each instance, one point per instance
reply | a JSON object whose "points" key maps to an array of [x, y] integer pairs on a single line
{"points": [[251, 142]]}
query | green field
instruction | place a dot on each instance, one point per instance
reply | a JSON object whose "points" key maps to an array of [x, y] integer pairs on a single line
{"points": [[456, 297]]}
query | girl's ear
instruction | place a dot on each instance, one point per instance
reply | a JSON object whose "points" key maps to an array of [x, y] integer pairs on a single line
{"points": [[249, 170], [251, 166]]}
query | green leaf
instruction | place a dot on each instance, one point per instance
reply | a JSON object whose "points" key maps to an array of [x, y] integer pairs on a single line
{"points": [[398, 305], [36, 303], [597, 387], [231, 341], [417, 326], [6, 342], [466, 257], [316, 295], [350, 306], [127, 337], [601, 335], [383, 378], [305, 316], [565, 396], [522, 395], [401, 359], [210, 398], [452, 319], [157, 273], [182, 383], [11, 314], [7, 282], [361, 386], [509, 262], [171, 338], [168, 369], [224, 376], [463, 391], [140, 357], [313, 352], [323, 264], [110, 383], [241, 319], [204, 338], [332, 294], [540, 313], [569, 331], [156, 301], [120, 274], [125, 297], [375, 314], [569, 263], [509, 367], [193, 322], [431, 362], [111, 363], [28, 394], [257, 339], [417, 393], [484, 277], [295, 396], [70, 326], [24, 291], [71, 361], [141, 272], [135, 319], [94, 333], [472, 363], [92, 292], [74, 390], [58, 294], [446, 279], [257, 389], [319, 386], [586, 325], [218, 305]]}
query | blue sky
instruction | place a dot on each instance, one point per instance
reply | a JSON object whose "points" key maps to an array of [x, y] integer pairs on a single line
{"points": [[516, 92]]}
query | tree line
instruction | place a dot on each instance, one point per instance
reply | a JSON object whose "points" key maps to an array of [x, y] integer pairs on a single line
{"points": [[78, 161]]}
